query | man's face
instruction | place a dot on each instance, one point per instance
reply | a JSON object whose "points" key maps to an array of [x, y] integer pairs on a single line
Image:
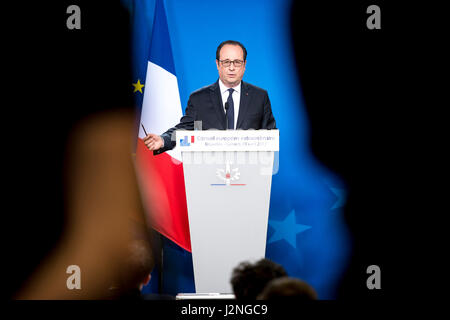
{"points": [[231, 75]]}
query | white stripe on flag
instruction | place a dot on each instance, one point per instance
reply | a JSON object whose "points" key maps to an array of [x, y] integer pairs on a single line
{"points": [[161, 107]]}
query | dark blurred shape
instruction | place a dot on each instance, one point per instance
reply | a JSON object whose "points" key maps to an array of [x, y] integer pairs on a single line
{"points": [[102, 210], [72, 192], [249, 279], [353, 84], [288, 288]]}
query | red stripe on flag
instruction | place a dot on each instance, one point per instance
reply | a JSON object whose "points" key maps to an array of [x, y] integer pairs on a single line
{"points": [[164, 196]]}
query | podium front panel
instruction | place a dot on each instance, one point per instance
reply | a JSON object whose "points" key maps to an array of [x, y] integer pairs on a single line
{"points": [[228, 196]]}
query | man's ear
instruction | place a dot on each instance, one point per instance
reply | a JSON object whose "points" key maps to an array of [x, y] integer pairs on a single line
{"points": [[217, 64]]}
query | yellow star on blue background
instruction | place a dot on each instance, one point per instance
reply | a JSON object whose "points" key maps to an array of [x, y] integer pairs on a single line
{"points": [[138, 86]]}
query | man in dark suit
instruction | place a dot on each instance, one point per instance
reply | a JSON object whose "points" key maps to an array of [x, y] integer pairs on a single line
{"points": [[229, 103]]}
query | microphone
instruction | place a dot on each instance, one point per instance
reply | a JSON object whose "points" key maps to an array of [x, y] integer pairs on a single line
{"points": [[226, 114]]}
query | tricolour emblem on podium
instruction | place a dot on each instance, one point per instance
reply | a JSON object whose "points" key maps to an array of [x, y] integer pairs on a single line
{"points": [[227, 175], [185, 142]]}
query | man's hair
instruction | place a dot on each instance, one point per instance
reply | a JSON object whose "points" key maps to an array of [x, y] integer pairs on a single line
{"points": [[286, 287], [139, 264], [232, 42], [248, 280]]}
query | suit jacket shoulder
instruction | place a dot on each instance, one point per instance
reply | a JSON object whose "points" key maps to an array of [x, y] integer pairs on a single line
{"points": [[252, 87], [205, 89]]}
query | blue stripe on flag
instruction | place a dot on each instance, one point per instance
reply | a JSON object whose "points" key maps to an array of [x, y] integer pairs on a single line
{"points": [[142, 18], [160, 49]]}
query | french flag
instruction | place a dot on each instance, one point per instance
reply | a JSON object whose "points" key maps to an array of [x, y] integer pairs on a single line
{"points": [[161, 177]]}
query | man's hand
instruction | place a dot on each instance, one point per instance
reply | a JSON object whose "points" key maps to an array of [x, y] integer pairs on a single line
{"points": [[153, 141]]}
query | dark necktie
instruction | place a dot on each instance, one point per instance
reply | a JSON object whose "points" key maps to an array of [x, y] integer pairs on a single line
{"points": [[230, 111]]}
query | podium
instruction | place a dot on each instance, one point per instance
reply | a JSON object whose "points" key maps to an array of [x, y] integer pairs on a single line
{"points": [[228, 177]]}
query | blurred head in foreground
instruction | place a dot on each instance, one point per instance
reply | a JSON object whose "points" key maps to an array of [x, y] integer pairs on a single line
{"points": [[248, 280], [286, 287], [138, 266]]}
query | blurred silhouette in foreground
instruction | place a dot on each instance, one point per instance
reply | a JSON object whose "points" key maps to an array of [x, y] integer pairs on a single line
{"points": [[351, 81], [286, 287], [249, 279], [73, 188], [103, 205]]}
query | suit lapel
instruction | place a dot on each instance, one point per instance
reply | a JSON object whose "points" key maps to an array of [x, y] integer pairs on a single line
{"points": [[243, 105], [216, 98]]}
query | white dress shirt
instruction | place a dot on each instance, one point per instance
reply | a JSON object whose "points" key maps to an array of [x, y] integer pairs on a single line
{"points": [[236, 98]]}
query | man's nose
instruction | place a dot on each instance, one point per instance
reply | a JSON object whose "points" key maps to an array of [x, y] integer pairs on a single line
{"points": [[231, 67]]}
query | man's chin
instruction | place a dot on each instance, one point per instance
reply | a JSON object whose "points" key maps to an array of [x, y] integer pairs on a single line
{"points": [[233, 82]]}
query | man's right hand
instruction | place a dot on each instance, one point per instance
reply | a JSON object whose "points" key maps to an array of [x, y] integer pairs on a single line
{"points": [[153, 141]]}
